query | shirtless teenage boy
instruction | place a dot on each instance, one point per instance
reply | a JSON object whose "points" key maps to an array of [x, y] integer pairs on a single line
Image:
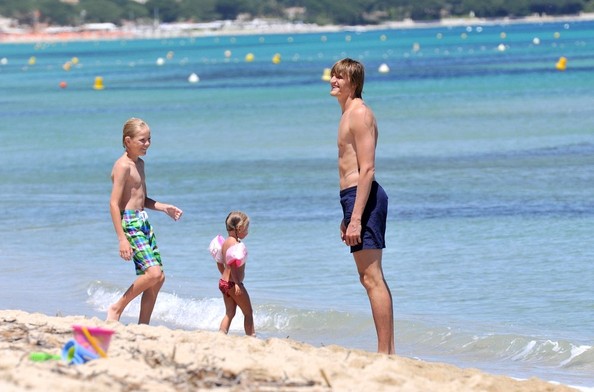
{"points": [[363, 200]]}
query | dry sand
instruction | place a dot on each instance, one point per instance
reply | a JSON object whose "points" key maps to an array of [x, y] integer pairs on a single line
{"points": [[148, 358]]}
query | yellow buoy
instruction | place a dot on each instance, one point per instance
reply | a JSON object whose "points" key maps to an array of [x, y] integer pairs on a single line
{"points": [[276, 58], [561, 64], [249, 57], [98, 85], [74, 60], [326, 75], [32, 60]]}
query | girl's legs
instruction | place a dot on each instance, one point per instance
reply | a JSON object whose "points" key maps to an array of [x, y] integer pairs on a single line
{"points": [[244, 303], [230, 308]]}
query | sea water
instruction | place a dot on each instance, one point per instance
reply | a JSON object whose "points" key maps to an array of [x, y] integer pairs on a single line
{"points": [[486, 151]]}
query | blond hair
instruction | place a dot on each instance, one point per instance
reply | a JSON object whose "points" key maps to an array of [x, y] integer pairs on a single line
{"points": [[236, 221], [131, 128], [353, 71]]}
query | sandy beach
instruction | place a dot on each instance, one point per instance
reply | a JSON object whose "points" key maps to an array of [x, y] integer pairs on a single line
{"points": [[149, 358]]}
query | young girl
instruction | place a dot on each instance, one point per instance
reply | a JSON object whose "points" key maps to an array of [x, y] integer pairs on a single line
{"points": [[135, 235], [231, 256]]}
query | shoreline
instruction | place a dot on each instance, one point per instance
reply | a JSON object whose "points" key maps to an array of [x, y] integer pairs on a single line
{"points": [[156, 358], [226, 28]]}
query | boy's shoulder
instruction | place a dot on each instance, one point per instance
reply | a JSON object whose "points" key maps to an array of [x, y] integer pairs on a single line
{"points": [[125, 160], [123, 163]]}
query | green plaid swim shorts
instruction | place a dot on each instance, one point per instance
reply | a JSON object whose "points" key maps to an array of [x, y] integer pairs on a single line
{"points": [[141, 237]]}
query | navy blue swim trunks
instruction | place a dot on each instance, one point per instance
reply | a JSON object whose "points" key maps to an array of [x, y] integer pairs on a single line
{"points": [[373, 221]]}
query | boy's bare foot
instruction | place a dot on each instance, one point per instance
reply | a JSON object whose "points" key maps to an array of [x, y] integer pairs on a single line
{"points": [[112, 314]]}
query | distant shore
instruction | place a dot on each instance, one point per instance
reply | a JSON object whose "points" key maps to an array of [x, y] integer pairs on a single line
{"points": [[108, 31]]}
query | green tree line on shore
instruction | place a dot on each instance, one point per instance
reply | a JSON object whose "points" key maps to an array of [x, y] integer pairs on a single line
{"points": [[323, 12]]}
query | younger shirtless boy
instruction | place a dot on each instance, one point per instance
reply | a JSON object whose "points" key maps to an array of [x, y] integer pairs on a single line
{"points": [[130, 220]]}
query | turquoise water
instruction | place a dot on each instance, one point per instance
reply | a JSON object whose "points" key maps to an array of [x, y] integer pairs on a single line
{"points": [[486, 155]]}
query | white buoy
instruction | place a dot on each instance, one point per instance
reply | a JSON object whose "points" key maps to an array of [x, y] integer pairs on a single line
{"points": [[193, 78], [160, 61], [4, 61], [501, 48], [536, 41], [384, 68]]}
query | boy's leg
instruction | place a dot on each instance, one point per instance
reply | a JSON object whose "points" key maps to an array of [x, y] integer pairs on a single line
{"points": [[149, 296], [147, 261], [152, 277], [369, 266]]}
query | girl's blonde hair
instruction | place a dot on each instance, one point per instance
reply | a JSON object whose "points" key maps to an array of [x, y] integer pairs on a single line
{"points": [[131, 128], [236, 220]]}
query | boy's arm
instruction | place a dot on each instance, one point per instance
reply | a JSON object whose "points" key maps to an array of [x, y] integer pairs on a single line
{"points": [[169, 209], [363, 130], [120, 175]]}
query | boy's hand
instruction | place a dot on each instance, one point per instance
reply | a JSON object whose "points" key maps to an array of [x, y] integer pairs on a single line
{"points": [[125, 249], [173, 212], [352, 236]]}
